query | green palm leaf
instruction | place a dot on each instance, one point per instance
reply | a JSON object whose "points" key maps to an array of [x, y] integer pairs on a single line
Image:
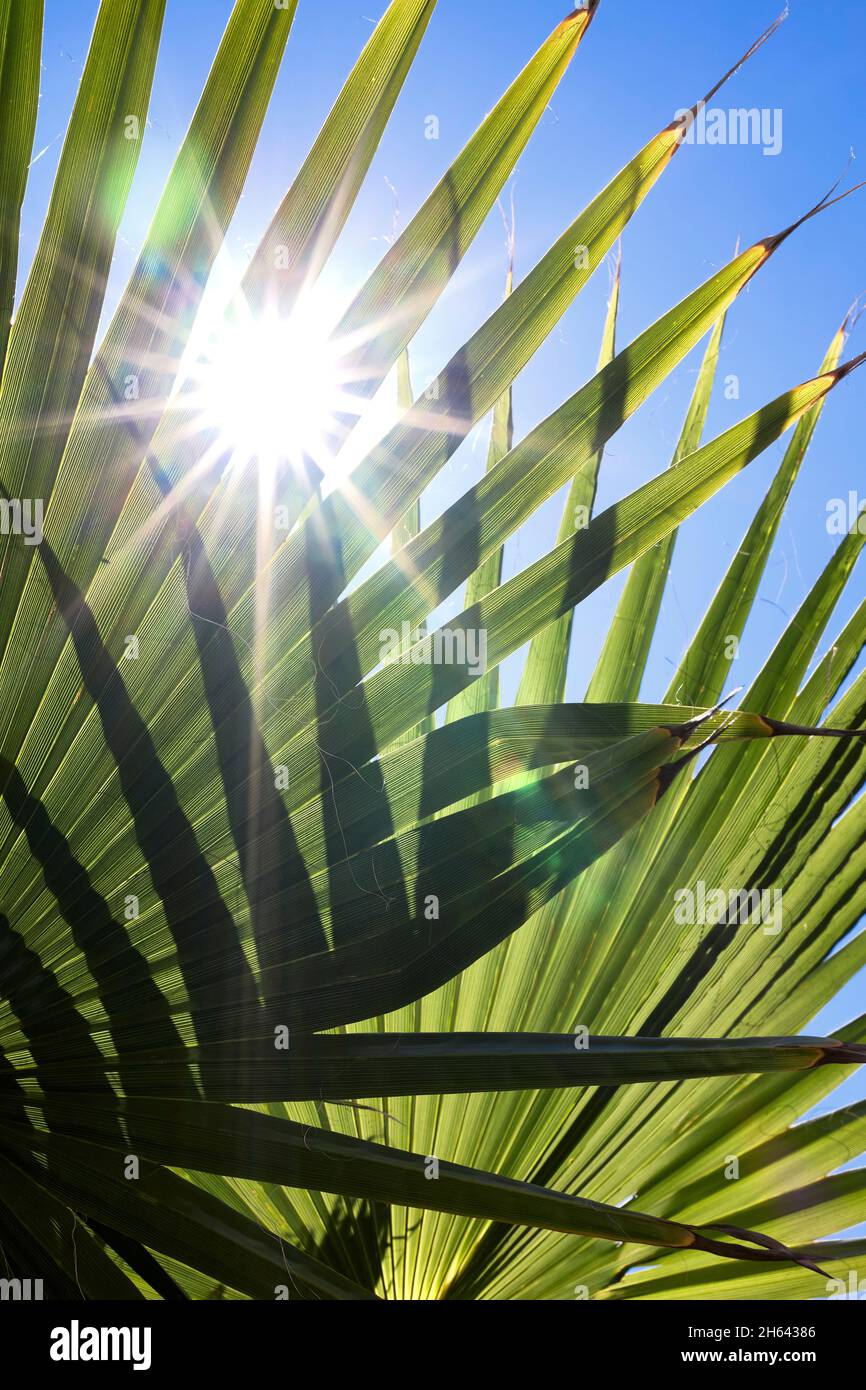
{"points": [[270, 847]]}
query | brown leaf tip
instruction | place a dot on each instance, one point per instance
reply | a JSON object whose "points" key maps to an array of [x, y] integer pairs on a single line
{"points": [[848, 367], [854, 1053], [771, 243], [849, 323], [583, 12], [759, 43]]}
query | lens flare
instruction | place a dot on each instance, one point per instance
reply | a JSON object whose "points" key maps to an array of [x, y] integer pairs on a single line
{"points": [[271, 389]]}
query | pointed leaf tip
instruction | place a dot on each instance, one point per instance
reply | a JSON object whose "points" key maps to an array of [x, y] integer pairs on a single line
{"points": [[847, 368], [750, 52], [853, 1053], [770, 1248], [828, 201], [850, 320], [682, 121], [583, 13]]}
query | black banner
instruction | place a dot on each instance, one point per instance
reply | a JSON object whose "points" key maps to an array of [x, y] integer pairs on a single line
{"points": [[248, 1338]]}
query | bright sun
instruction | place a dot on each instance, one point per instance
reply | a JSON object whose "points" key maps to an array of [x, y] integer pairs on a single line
{"points": [[271, 389]]}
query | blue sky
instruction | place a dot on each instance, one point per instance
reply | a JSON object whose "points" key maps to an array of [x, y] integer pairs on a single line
{"points": [[639, 63]]}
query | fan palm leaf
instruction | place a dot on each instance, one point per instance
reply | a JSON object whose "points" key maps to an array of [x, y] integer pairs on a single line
{"points": [[320, 970]]}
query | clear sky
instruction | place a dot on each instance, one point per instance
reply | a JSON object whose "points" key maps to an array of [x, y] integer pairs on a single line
{"points": [[639, 63]]}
